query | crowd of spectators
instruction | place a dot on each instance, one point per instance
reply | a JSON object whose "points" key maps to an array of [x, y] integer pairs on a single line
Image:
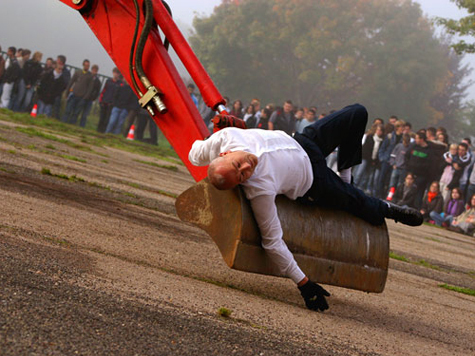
{"points": [[26, 82], [420, 169]]}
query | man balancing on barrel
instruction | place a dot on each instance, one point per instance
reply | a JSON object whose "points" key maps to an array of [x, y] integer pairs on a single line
{"points": [[269, 163]]}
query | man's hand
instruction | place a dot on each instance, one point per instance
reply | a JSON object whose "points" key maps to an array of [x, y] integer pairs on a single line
{"points": [[222, 121], [314, 296]]}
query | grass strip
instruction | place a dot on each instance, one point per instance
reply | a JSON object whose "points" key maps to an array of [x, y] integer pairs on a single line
{"points": [[466, 291], [395, 256], [157, 165]]}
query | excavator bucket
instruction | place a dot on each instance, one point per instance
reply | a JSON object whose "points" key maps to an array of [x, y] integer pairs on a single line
{"points": [[331, 247]]}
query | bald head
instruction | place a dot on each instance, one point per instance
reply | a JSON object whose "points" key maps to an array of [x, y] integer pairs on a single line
{"points": [[231, 168]]}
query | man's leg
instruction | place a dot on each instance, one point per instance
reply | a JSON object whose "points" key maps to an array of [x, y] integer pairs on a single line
{"points": [[328, 190], [343, 129], [85, 113]]}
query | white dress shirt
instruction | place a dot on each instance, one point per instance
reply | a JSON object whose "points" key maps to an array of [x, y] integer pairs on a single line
{"points": [[283, 168]]}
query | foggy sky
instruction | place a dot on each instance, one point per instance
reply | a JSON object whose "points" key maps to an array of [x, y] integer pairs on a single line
{"points": [[54, 28]]}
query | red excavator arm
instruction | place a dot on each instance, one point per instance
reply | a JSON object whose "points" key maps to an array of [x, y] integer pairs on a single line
{"points": [[162, 91]]}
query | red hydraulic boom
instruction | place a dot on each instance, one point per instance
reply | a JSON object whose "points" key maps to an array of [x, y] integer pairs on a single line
{"points": [[160, 88]]}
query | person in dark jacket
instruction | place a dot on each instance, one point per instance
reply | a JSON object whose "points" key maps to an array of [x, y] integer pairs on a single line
{"points": [[66, 75], [10, 77], [106, 98], [77, 89], [120, 107], [144, 118], [433, 201], [453, 207], [31, 74], [418, 162], [91, 95], [264, 119], [51, 86], [406, 193], [283, 119]]}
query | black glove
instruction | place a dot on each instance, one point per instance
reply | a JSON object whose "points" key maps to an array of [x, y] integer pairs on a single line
{"points": [[314, 296]]}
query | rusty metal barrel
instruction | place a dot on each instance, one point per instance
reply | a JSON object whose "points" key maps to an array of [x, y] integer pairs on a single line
{"points": [[331, 247]]}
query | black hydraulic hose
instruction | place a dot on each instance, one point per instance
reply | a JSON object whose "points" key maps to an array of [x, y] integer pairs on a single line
{"points": [[166, 43], [132, 50], [143, 37]]}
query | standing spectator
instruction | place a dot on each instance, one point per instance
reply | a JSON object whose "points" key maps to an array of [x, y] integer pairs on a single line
{"points": [[66, 76], [120, 103], [10, 77], [390, 141], [398, 161], [48, 64], [438, 149], [366, 173], [77, 88], [91, 95], [143, 118], [237, 109], [418, 162], [465, 222], [250, 117], [2, 70], [432, 202], [466, 158], [51, 86], [106, 98], [299, 116], [191, 90], [264, 120], [405, 194], [283, 119], [31, 74], [452, 208], [451, 172], [393, 119], [257, 108], [309, 119], [21, 86]]}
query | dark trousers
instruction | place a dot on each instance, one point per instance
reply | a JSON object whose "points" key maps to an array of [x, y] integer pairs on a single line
{"points": [[104, 115], [343, 129]]}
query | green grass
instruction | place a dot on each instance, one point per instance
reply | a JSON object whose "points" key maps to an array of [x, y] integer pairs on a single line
{"points": [[88, 135], [224, 312], [395, 256], [50, 147], [72, 158], [467, 291], [73, 178], [427, 265], [7, 170], [153, 164]]}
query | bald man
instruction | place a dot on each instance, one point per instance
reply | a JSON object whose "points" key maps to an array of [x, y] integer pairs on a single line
{"points": [[269, 163]]}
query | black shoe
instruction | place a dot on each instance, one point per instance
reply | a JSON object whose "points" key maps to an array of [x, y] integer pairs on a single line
{"points": [[404, 215]]}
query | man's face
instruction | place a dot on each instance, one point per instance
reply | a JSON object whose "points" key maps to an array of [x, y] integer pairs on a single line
{"points": [[462, 151], [287, 108], [299, 114], [419, 140], [409, 180], [236, 167], [94, 71], [191, 90], [10, 53], [86, 66], [115, 75], [392, 121], [49, 63], [310, 116], [407, 130], [399, 129]]}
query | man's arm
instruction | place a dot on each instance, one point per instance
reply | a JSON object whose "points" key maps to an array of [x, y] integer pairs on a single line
{"points": [[265, 212], [203, 152]]}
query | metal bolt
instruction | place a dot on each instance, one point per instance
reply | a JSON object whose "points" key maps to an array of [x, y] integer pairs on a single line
{"points": [[76, 2]]}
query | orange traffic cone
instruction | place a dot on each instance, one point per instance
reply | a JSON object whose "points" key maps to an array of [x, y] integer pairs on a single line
{"points": [[391, 193], [131, 135], [34, 111]]}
